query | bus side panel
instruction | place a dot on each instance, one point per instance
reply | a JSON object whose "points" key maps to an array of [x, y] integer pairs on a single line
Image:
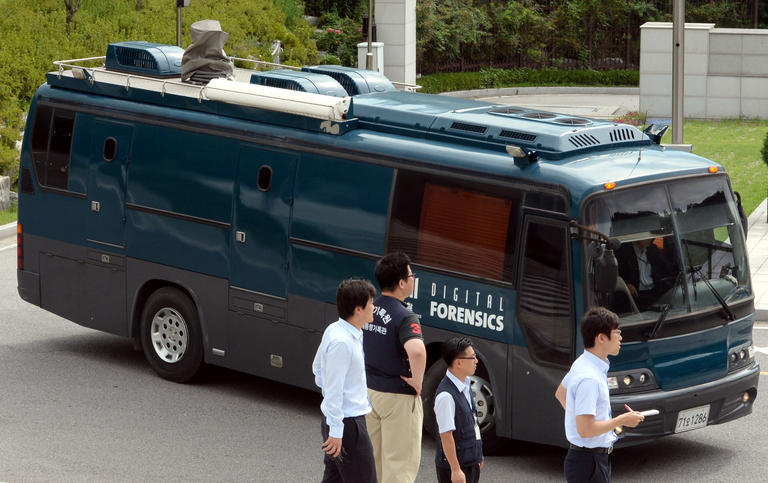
{"points": [[179, 199], [342, 203]]}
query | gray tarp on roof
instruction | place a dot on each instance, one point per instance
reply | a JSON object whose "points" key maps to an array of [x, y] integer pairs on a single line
{"points": [[205, 59]]}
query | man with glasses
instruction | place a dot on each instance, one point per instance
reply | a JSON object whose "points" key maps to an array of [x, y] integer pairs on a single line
{"points": [[459, 451], [395, 359], [584, 395]]}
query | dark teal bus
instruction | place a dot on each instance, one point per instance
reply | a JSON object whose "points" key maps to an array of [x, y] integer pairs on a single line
{"points": [[211, 224]]}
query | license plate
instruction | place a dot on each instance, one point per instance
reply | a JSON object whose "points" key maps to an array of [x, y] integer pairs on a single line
{"points": [[693, 418]]}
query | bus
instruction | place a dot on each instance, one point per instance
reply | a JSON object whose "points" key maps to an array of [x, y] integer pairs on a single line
{"points": [[211, 223]]}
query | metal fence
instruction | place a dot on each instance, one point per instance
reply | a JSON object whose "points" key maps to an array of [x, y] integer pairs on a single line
{"points": [[615, 45]]}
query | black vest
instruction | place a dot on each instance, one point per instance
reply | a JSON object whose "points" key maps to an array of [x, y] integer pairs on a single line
{"points": [[385, 357], [469, 449]]}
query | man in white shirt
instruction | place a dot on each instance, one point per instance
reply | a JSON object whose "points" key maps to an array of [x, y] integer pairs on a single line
{"points": [[459, 451], [585, 396], [339, 369]]}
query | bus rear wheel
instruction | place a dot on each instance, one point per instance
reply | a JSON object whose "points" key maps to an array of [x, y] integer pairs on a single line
{"points": [[484, 399], [171, 336]]}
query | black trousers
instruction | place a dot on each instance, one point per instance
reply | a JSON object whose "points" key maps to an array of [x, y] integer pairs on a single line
{"points": [[355, 462], [587, 467], [471, 473]]}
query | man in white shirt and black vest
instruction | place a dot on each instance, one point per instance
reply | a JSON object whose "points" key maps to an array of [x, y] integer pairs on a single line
{"points": [[459, 451], [395, 358]]}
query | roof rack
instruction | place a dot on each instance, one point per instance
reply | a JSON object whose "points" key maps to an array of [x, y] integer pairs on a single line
{"points": [[323, 107]]}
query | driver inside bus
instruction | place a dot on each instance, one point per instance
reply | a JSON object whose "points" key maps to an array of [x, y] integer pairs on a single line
{"points": [[646, 269]]}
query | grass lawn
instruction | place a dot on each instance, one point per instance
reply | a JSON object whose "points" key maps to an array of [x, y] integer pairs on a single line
{"points": [[736, 145], [8, 216]]}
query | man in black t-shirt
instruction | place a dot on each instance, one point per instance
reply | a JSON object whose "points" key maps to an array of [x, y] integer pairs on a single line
{"points": [[395, 359]]}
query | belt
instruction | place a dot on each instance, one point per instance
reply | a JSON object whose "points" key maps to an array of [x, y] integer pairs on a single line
{"points": [[592, 450]]}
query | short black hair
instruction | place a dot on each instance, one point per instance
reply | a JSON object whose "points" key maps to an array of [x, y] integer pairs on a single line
{"points": [[353, 292], [453, 348], [597, 320], [391, 268]]}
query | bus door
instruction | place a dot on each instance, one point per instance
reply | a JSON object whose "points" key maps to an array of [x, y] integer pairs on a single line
{"points": [[546, 323], [259, 258], [110, 148], [105, 227]]}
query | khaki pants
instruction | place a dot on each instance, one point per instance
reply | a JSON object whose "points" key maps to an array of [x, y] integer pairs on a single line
{"points": [[394, 426]]}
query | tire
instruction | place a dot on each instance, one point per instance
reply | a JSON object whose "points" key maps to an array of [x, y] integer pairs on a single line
{"points": [[484, 399], [170, 335]]}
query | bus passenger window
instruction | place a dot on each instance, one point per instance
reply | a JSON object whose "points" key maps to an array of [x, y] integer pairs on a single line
{"points": [[110, 149], [463, 229], [51, 146]]}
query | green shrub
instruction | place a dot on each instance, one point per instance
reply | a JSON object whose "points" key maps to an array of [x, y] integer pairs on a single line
{"points": [[339, 37], [764, 151], [329, 59]]}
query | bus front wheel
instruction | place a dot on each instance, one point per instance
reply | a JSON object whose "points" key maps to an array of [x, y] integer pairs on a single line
{"points": [[484, 399], [171, 335]]}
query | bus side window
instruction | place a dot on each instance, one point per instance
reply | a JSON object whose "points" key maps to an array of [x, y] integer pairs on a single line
{"points": [[455, 226], [51, 145], [545, 314]]}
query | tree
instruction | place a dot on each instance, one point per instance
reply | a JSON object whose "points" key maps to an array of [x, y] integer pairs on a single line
{"points": [[72, 7]]}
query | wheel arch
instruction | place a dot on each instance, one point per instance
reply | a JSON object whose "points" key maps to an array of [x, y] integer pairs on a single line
{"points": [[145, 291]]}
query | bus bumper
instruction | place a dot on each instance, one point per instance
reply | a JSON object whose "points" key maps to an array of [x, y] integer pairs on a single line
{"points": [[725, 398], [28, 286]]}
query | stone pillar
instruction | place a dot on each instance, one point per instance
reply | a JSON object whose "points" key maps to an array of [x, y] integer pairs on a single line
{"points": [[656, 69], [5, 193], [396, 28]]}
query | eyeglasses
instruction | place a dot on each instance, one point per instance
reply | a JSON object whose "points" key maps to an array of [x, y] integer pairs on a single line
{"points": [[467, 357]]}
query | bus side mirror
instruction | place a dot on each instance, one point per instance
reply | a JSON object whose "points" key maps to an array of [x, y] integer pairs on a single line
{"points": [[606, 271]]}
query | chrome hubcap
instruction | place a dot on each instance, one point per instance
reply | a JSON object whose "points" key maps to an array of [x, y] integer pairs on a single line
{"points": [[169, 335], [486, 407]]}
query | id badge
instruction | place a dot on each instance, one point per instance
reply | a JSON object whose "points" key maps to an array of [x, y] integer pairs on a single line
{"points": [[477, 429]]}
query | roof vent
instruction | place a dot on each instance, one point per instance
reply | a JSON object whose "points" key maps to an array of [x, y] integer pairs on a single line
{"points": [[145, 58], [573, 121], [623, 134], [469, 127], [583, 140], [354, 81], [539, 115], [299, 81], [517, 135], [508, 110]]}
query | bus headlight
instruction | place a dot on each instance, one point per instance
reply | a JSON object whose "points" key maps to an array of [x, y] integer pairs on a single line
{"points": [[634, 380], [740, 356]]}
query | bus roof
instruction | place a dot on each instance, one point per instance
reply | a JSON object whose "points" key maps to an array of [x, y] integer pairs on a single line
{"points": [[575, 152]]}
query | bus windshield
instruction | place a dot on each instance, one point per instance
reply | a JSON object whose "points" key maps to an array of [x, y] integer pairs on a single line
{"points": [[682, 249]]}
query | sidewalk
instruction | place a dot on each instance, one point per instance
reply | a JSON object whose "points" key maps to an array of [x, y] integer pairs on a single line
{"points": [[757, 246]]}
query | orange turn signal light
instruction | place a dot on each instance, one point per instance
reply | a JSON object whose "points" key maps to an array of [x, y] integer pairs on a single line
{"points": [[712, 169], [610, 185]]}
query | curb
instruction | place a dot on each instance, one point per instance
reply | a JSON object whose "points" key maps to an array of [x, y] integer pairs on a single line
{"points": [[7, 230], [527, 91], [759, 214]]}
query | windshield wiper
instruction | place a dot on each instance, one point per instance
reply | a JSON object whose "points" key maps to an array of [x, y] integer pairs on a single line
{"points": [[714, 291], [659, 322]]}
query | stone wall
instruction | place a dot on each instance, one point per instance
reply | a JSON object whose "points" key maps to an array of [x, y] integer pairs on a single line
{"points": [[726, 71], [5, 193]]}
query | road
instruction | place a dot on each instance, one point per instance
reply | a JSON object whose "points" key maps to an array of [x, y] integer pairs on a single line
{"points": [[79, 405]]}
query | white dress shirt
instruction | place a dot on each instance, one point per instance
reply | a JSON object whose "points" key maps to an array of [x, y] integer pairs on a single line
{"points": [[339, 369], [587, 393]]}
